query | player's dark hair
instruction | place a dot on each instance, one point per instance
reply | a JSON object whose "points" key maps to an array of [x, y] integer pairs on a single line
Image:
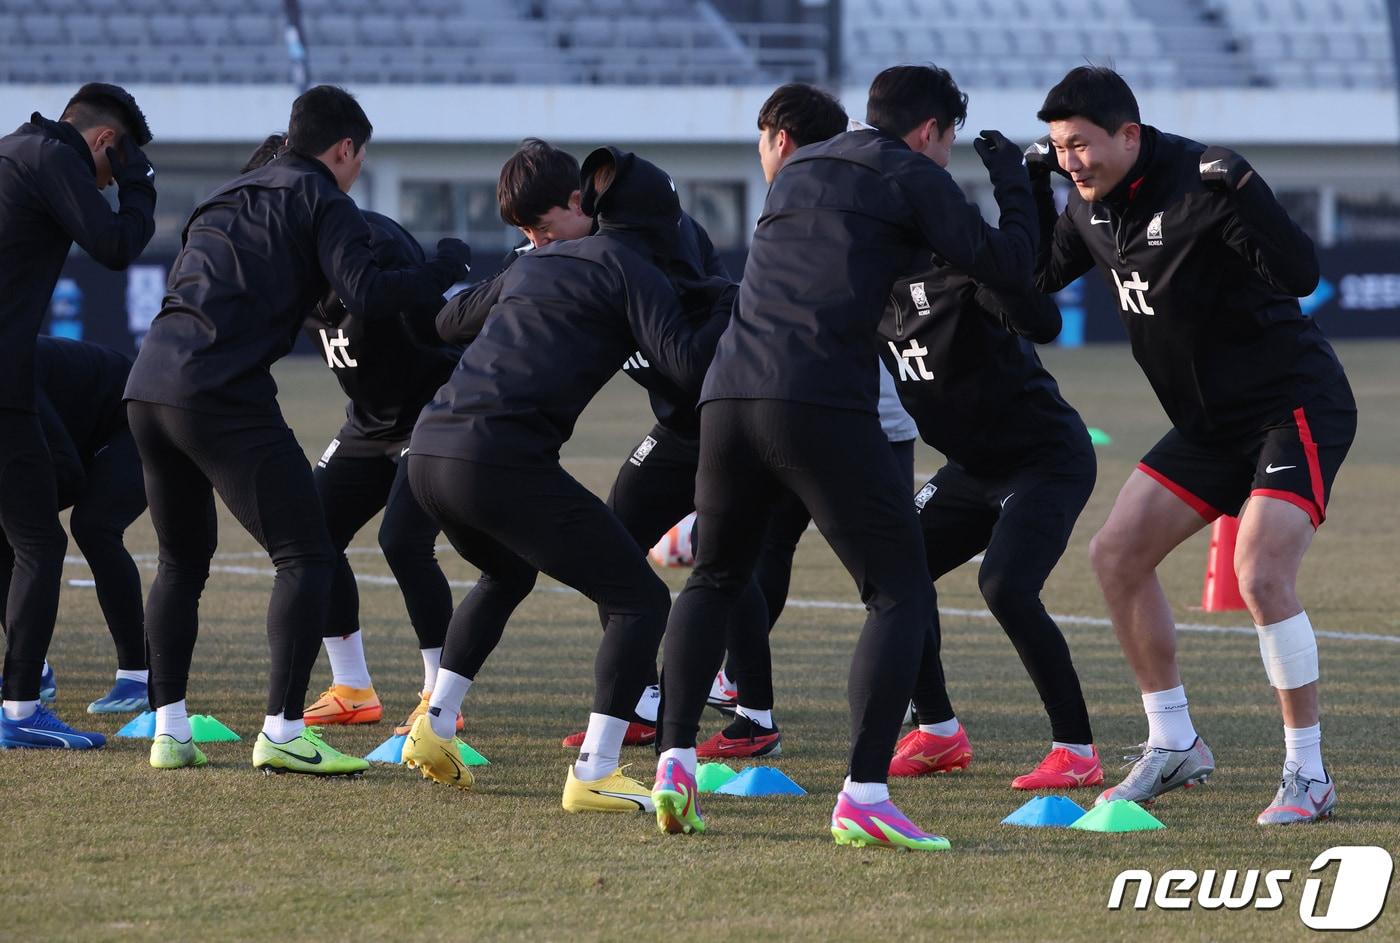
{"points": [[323, 115], [905, 96], [805, 112], [98, 103], [1093, 92], [537, 178], [266, 151]]}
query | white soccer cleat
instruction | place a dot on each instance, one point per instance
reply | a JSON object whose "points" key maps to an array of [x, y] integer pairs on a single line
{"points": [[1156, 771], [1300, 799]]}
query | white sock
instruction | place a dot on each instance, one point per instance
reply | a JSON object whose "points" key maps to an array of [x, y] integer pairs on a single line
{"points": [[1086, 750], [19, 710], [944, 728], [721, 686], [347, 654], [446, 702], [685, 756], [602, 745], [1304, 746], [432, 661], [281, 730], [763, 718], [866, 793], [649, 703], [1168, 719], [173, 720], [144, 675]]}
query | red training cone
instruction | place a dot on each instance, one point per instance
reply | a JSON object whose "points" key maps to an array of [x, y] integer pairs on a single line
{"points": [[1221, 592]]}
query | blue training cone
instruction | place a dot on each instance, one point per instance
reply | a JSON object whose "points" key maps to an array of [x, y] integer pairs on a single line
{"points": [[140, 727], [390, 751], [761, 781], [1046, 812]]}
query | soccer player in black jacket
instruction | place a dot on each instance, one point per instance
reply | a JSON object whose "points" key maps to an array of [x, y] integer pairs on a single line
{"points": [[790, 402], [389, 368], [258, 254], [79, 399], [484, 461], [51, 173], [1020, 470], [1207, 269]]}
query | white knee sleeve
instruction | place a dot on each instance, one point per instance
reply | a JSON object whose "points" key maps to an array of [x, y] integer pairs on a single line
{"points": [[1289, 650]]}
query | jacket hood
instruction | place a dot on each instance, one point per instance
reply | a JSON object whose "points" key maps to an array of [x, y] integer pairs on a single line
{"points": [[62, 131]]}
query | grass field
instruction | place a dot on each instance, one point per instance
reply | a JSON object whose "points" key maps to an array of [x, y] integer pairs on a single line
{"points": [[98, 846]]}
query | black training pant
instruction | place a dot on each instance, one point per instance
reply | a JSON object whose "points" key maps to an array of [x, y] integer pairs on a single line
{"points": [[29, 520], [512, 523], [254, 463], [1023, 522], [839, 464], [653, 490], [353, 490], [113, 496]]}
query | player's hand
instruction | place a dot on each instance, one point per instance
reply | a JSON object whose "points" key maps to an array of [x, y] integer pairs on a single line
{"points": [[1042, 161], [455, 254], [1223, 169], [130, 165], [1000, 157]]}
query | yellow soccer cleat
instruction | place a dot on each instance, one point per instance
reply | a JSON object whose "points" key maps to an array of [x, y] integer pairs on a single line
{"points": [[402, 729], [437, 758], [341, 704], [615, 792]]}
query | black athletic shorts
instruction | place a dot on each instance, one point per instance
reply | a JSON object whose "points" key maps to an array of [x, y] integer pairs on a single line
{"points": [[1293, 460]]}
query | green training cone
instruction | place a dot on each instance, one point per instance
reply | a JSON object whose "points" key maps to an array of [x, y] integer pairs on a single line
{"points": [[1099, 437], [470, 756], [1120, 815], [710, 776], [206, 728]]}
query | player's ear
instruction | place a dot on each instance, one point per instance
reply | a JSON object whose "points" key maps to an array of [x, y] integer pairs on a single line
{"points": [[576, 203], [1132, 135]]}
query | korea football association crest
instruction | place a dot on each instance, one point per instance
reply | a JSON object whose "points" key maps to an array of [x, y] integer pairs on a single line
{"points": [[640, 454], [1154, 230], [920, 296], [924, 496]]}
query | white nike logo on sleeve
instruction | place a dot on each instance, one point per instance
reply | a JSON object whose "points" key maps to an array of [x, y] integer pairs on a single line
{"points": [[1271, 468], [1095, 221]]}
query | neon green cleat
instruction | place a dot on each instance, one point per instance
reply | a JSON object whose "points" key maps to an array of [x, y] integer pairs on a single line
{"points": [[307, 753], [169, 753]]}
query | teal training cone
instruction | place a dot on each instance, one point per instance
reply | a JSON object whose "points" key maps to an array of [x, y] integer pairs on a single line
{"points": [[1120, 815], [206, 728], [761, 781], [470, 756], [710, 776], [390, 751], [140, 727], [1046, 812], [1099, 437]]}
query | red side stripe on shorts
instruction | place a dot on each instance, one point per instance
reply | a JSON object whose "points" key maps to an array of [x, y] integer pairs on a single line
{"points": [[1195, 503], [1317, 508], [1297, 499]]}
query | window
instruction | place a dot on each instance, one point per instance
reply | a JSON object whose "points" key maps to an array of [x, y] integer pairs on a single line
{"points": [[1368, 216], [466, 209], [719, 207]]}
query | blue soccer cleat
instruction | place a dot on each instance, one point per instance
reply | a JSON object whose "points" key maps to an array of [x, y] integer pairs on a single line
{"points": [[43, 730], [48, 687], [126, 696]]}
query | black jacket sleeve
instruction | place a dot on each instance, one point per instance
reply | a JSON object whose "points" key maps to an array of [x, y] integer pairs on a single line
{"points": [[1029, 313], [1003, 257], [680, 350], [464, 315], [113, 239], [1264, 235], [68, 469], [343, 245], [1063, 257], [708, 255]]}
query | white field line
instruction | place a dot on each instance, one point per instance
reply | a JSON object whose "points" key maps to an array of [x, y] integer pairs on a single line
{"points": [[148, 562]]}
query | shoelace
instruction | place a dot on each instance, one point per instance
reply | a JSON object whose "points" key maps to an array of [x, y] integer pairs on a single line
{"points": [[1292, 782], [1141, 769]]}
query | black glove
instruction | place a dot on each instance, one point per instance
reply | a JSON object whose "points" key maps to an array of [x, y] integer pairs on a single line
{"points": [[455, 256], [999, 156], [1223, 169], [1042, 161], [130, 166]]}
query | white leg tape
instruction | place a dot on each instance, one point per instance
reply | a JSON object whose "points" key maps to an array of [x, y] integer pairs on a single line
{"points": [[1289, 650]]}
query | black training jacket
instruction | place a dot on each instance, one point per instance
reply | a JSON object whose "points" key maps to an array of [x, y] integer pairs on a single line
{"points": [[258, 254], [48, 201], [1207, 284], [79, 402], [964, 363], [388, 367], [567, 317], [844, 218]]}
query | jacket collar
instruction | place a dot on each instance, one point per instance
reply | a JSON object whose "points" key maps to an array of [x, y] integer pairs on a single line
{"points": [[298, 159], [65, 132]]}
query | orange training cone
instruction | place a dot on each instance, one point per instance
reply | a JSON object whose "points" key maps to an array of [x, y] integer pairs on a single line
{"points": [[1221, 592]]}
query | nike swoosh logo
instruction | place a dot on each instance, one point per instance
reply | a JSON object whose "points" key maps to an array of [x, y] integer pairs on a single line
{"points": [[1213, 166], [1007, 498], [1095, 221], [1166, 777], [1319, 803], [1040, 148], [314, 759], [150, 171], [1270, 469]]}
